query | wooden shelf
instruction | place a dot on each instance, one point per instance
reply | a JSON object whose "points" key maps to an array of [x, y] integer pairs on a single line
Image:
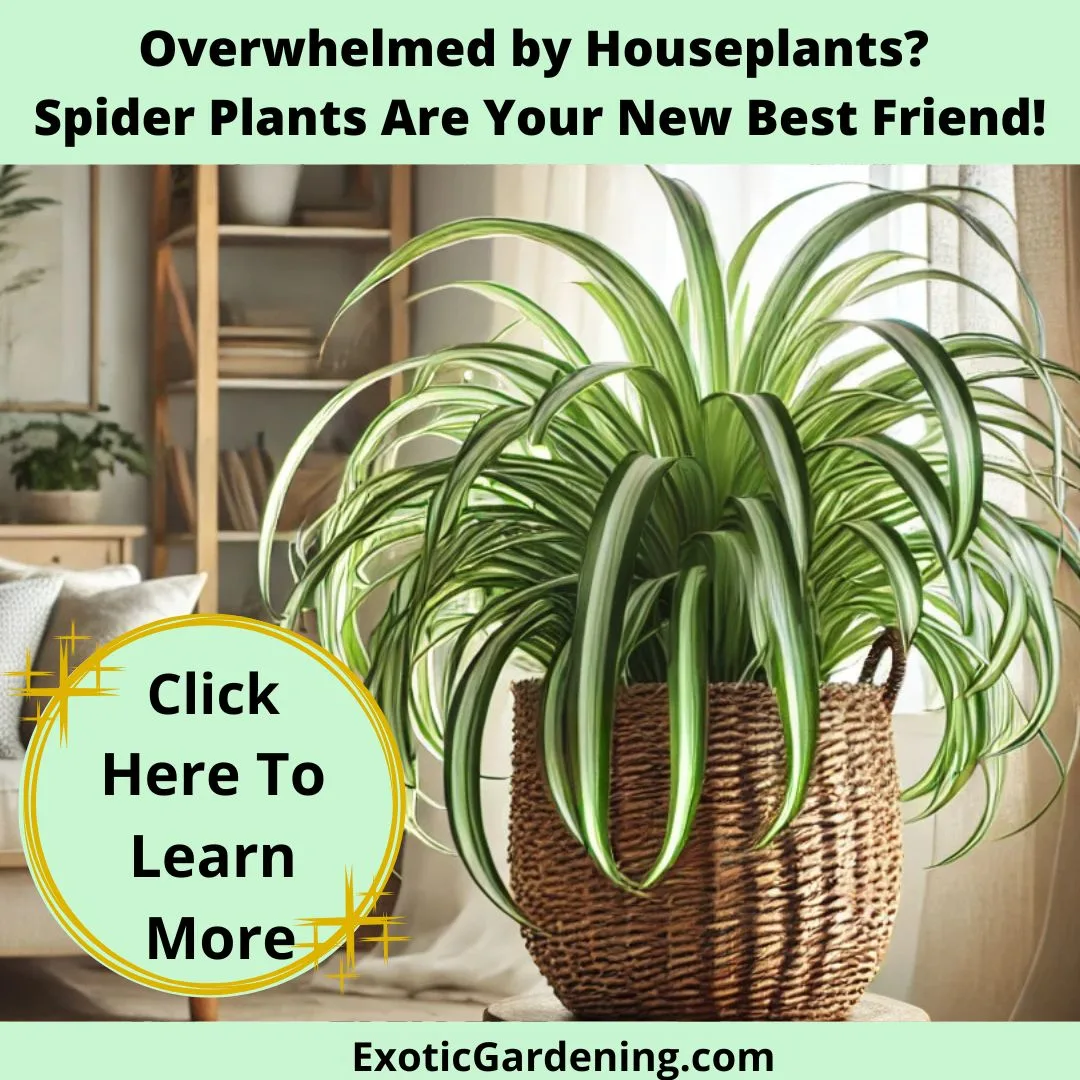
{"points": [[95, 531], [272, 234], [320, 386], [232, 537], [194, 320]]}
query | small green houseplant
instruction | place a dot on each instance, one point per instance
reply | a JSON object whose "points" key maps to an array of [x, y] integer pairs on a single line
{"points": [[57, 467], [737, 507]]}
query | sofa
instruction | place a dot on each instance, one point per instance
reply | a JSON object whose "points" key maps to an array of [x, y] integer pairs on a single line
{"points": [[26, 926], [104, 603]]}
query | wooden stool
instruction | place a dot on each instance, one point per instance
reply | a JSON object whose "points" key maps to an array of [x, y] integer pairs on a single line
{"points": [[546, 1006]]}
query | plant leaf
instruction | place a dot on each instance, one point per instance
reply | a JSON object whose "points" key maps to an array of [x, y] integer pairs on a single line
{"points": [[606, 573], [792, 653]]}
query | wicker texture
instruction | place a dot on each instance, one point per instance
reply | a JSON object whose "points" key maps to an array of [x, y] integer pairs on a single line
{"points": [[795, 931]]}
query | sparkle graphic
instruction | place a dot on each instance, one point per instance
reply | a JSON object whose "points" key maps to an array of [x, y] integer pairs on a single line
{"points": [[343, 974], [66, 688], [349, 923]]}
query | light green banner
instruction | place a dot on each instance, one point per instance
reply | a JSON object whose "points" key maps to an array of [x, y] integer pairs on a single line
{"points": [[661, 1051], [781, 81]]}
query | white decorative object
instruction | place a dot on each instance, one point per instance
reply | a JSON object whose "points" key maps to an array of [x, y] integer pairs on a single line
{"points": [[59, 507], [105, 615], [259, 194]]}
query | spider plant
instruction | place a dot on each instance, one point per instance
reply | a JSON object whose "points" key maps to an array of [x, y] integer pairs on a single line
{"points": [[729, 501]]}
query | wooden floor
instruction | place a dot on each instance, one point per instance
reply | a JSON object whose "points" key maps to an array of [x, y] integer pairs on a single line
{"points": [[79, 989]]}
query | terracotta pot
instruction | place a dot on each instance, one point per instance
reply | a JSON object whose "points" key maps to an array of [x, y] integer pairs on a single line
{"points": [[792, 931], [59, 507]]}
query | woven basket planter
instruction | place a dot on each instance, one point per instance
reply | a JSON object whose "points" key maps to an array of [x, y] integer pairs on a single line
{"points": [[795, 931]]}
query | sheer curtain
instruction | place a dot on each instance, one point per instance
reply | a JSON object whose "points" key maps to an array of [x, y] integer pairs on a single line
{"points": [[967, 933], [977, 926], [1048, 210]]}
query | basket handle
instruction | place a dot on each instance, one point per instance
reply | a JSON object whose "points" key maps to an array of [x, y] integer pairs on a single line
{"points": [[890, 640]]}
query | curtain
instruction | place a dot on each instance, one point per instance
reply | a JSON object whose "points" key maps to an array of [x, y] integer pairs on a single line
{"points": [[1048, 209], [977, 926], [997, 936]]}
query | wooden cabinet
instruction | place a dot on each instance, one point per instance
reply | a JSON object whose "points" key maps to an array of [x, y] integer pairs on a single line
{"points": [[76, 547]]}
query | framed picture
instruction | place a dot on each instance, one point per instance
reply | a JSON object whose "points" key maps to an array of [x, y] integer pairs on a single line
{"points": [[49, 279]]}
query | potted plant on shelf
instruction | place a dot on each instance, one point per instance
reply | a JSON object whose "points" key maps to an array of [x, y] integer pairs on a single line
{"points": [[57, 468], [702, 824]]}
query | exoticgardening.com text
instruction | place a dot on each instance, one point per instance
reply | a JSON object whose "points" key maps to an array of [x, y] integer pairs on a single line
{"points": [[491, 1057]]}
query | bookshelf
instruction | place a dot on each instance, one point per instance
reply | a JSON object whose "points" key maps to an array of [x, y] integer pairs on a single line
{"points": [[274, 234], [190, 317]]}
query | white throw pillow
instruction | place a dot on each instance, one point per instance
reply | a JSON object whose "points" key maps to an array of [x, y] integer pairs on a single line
{"points": [[80, 581], [102, 616], [24, 614]]}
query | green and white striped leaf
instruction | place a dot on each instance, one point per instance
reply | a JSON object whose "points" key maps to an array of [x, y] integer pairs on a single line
{"points": [[606, 575], [791, 651], [922, 486], [688, 689], [780, 450], [706, 303], [956, 413], [902, 569]]}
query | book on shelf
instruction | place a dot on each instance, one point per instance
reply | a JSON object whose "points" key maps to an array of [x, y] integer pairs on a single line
{"points": [[257, 351], [308, 350], [230, 518], [259, 472], [244, 477], [244, 480], [266, 462], [249, 513], [236, 332]]}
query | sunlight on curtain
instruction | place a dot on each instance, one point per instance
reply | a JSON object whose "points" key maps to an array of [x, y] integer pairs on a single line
{"points": [[975, 935]]}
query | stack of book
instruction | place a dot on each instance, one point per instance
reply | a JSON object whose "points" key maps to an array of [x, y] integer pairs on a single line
{"points": [[264, 352], [244, 478]]}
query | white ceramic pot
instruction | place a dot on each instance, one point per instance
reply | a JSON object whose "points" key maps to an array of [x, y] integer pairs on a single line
{"points": [[259, 194], [59, 507]]}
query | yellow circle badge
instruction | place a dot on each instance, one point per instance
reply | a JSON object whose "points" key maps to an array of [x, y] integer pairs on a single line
{"points": [[212, 805]]}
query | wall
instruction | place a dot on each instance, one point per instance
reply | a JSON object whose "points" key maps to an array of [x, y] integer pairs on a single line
{"points": [[444, 193], [124, 322]]}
